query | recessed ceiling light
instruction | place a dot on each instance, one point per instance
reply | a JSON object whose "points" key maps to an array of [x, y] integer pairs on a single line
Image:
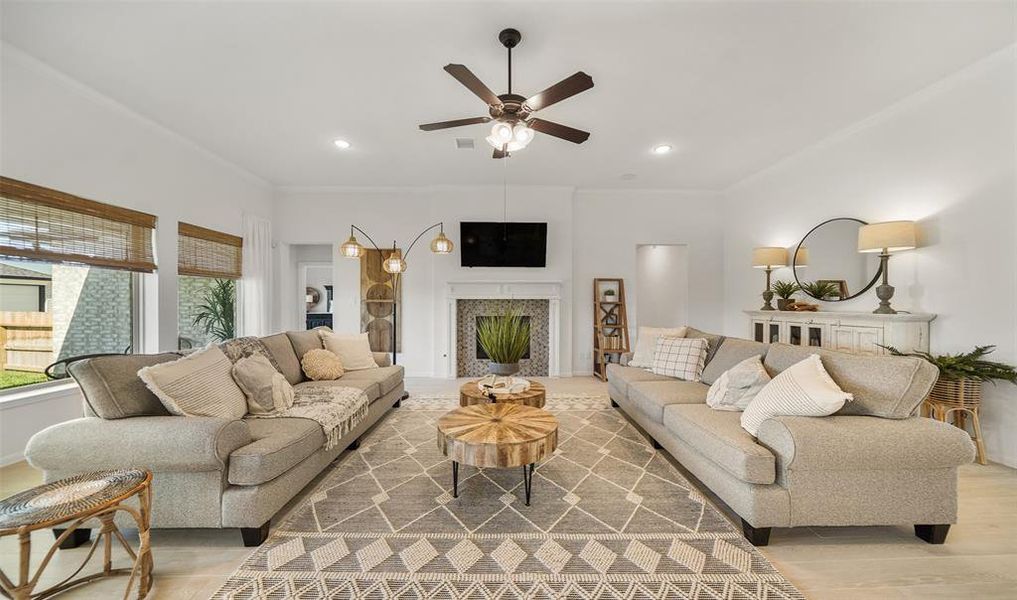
{"points": [[341, 144], [662, 148]]}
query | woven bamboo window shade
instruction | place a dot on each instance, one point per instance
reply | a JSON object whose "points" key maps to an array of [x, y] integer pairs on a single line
{"points": [[208, 253], [39, 223]]}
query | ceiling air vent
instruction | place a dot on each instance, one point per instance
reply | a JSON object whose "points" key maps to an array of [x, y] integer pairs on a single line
{"points": [[464, 143]]}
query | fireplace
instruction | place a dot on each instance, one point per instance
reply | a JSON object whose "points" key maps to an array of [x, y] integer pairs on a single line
{"points": [[538, 301]]}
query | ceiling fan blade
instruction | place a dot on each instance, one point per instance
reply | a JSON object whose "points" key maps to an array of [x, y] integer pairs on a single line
{"points": [[499, 153], [475, 85], [576, 136], [566, 88], [456, 123]]}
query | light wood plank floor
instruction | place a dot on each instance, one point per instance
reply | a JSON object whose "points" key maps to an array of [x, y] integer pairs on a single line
{"points": [[979, 559]]}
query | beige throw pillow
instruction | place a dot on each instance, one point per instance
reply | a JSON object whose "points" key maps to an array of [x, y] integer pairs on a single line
{"points": [[266, 389], [322, 365], [680, 357], [646, 344], [353, 350], [804, 389], [737, 386], [198, 385]]}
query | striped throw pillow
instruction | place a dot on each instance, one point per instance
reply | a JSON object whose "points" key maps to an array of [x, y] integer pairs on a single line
{"points": [[198, 385], [679, 357], [804, 389]]}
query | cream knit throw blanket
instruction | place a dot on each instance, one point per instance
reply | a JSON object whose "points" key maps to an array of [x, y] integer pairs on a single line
{"points": [[337, 409]]}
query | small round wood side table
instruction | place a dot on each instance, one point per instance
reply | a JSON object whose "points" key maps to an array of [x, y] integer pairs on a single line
{"points": [[961, 399], [69, 503], [470, 393], [497, 435]]}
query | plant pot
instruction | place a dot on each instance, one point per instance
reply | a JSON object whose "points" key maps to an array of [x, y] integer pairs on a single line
{"points": [[503, 369], [785, 304]]}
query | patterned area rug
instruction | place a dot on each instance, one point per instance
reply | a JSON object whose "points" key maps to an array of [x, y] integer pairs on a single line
{"points": [[609, 518]]}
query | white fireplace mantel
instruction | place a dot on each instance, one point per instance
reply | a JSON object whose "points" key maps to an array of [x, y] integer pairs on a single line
{"points": [[506, 290]]}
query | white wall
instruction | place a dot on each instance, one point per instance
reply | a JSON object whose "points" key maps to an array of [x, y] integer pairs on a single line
{"points": [[611, 224], [57, 133], [944, 157], [662, 285]]}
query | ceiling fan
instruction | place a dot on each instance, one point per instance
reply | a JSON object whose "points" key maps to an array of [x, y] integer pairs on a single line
{"points": [[513, 113]]}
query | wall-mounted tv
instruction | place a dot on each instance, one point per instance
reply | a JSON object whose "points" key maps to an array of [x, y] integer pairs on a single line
{"points": [[484, 244]]}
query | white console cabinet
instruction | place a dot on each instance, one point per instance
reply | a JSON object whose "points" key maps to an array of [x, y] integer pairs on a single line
{"points": [[857, 332]]}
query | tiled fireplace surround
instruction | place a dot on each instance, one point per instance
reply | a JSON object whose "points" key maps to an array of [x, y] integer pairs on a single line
{"points": [[539, 300]]}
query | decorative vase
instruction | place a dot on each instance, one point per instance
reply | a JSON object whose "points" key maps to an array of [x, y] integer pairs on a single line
{"points": [[503, 369]]}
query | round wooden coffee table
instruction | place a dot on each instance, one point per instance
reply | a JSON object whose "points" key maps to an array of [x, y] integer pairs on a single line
{"points": [[497, 435], [65, 506], [470, 393]]}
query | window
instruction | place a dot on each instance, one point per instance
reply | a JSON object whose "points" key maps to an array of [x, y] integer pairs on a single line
{"points": [[68, 277], [209, 263]]}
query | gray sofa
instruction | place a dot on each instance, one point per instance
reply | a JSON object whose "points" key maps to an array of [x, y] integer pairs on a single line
{"points": [[873, 463], [207, 472]]}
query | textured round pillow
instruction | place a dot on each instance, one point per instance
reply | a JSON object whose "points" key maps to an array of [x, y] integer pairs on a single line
{"points": [[322, 365]]}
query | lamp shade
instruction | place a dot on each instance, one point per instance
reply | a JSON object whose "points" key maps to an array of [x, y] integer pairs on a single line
{"points": [[801, 257], [394, 263], [889, 236], [351, 248], [769, 256]]}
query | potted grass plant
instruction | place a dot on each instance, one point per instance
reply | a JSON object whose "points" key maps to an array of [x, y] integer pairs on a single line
{"points": [[821, 290], [505, 338], [785, 290]]}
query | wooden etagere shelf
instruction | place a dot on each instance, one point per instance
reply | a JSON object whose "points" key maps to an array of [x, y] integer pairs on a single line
{"points": [[610, 324]]}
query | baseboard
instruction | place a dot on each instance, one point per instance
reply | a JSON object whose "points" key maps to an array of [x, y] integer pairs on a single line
{"points": [[12, 458]]}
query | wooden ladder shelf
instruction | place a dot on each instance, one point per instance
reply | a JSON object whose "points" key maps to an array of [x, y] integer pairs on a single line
{"points": [[610, 324]]}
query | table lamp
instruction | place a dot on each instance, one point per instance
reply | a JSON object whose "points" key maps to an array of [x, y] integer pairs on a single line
{"points": [[886, 237], [768, 257]]}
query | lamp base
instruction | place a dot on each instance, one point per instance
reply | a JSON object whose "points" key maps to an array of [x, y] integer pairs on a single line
{"points": [[884, 293], [767, 300]]}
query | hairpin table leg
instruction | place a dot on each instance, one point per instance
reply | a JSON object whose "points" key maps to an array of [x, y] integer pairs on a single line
{"points": [[528, 480]]}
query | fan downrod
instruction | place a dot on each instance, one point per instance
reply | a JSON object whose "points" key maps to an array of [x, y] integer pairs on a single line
{"points": [[510, 38]]}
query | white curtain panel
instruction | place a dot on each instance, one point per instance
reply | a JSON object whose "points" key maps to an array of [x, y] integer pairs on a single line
{"points": [[254, 295]]}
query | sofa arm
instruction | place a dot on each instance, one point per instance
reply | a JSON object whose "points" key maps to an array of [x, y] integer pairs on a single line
{"points": [[384, 359], [155, 443], [855, 443], [624, 359]]}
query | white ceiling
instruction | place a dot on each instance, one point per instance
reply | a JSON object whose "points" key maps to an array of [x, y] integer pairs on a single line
{"points": [[733, 86]]}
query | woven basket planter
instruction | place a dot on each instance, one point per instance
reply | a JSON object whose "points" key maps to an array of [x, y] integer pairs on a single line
{"points": [[966, 393]]}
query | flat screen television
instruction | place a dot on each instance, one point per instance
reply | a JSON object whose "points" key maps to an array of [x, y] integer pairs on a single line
{"points": [[485, 244]]}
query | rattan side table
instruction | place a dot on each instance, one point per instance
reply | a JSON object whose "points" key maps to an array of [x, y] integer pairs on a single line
{"points": [[67, 505], [961, 399]]}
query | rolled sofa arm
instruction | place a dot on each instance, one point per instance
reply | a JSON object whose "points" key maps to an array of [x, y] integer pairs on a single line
{"points": [[384, 359], [155, 443], [852, 443]]}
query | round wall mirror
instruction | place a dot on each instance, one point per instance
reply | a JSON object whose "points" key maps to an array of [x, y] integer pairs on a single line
{"points": [[827, 264]]}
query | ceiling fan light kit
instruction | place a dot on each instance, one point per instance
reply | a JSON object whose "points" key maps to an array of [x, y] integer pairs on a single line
{"points": [[515, 125]]}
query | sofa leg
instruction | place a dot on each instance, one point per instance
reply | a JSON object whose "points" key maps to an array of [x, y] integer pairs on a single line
{"points": [[656, 445], [933, 534], [354, 445], [77, 538], [255, 536], [399, 402], [613, 403], [757, 536]]}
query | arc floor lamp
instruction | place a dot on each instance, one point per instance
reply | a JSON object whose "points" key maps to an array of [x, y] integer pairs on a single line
{"points": [[395, 263]]}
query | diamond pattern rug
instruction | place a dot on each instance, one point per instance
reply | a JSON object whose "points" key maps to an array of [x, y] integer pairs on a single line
{"points": [[609, 518]]}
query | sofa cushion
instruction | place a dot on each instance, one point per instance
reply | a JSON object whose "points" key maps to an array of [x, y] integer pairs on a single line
{"points": [[112, 388], [713, 341], [718, 435], [371, 388], [731, 352], [622, 376], [200, 384], [282, 350], [278, 445], [387, 378], [305, 340], [891, 387], [244, 347], [650, 397]]}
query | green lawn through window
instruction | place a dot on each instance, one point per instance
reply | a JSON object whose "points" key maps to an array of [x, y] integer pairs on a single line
{"points": [[9, 379]]}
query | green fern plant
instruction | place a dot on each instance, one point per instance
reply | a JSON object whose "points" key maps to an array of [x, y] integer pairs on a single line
{"points": [[785, 289], [821, 290], [217, 312], [966, 365], [505, 338]]}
